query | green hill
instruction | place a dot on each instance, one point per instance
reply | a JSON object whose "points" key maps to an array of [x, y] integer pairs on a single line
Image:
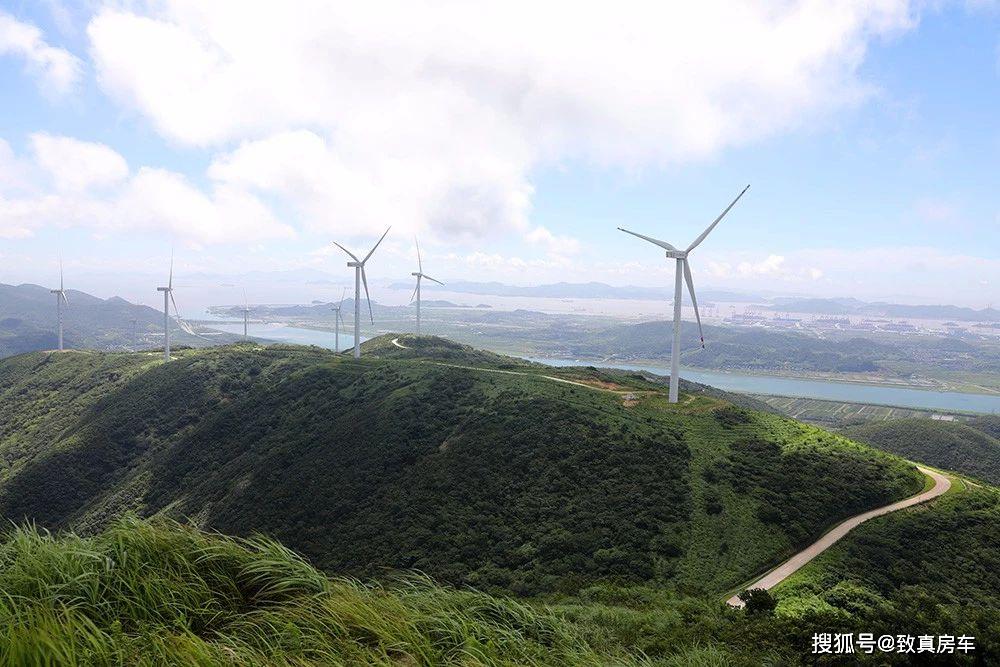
{"points": [[474, 468], [971, 448]]}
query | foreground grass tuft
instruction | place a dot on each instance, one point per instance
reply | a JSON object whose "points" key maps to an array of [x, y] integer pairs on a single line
{"points": [[145, 593]]}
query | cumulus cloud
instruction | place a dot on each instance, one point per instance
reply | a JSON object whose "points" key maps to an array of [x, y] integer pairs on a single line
{"points": [[78, 165], [76, 183], [57, 69], [435, 114]]}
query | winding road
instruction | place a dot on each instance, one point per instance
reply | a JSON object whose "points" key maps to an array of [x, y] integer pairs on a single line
{"points": [[790, 566]]}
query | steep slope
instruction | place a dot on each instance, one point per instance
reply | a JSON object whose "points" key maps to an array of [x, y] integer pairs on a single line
{"points": [[474, 468], [963, 448]]}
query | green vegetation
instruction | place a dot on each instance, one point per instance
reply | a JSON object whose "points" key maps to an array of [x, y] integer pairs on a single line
{"points": [[616, 518], [968, 448], [929, 570], [141, 594], [156, 592], [497, 478]]}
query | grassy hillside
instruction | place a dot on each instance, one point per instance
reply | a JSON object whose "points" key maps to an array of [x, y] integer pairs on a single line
{"points": [[473, 468], [143, 594], [968, 448], [152, 593]]}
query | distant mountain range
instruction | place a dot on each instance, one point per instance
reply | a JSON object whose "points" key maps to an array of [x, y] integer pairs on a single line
{"points": [[28, 322], [849, 306]]}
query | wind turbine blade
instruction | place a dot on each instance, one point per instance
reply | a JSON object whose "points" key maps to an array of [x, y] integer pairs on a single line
{"points": [[694, 301], [432, 279], [62, 294], [414, 295], [420, 264], [342, 294], [352, 255], [177, 313], [364, 279], [246, 304], [60, 275], [712, 226], [170, 281], [372, 251], [662, 244]]}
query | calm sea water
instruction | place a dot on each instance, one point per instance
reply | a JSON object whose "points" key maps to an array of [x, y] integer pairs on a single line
{"points": [[738, 382], [822, 389]]}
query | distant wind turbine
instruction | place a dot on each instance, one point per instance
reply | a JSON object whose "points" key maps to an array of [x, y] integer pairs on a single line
{"points": [[60, 300], [420, 275], [168, 298], [683, 268], [359, 277], [246, 316], [337, 319]]}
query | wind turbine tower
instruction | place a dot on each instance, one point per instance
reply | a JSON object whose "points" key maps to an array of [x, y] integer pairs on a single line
{"points": [[360, 277], [337, 319], [168, 298], [60, 300], [246, 316], [420, 275], [683, 271]]}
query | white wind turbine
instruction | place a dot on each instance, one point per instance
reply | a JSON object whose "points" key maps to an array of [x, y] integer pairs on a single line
{"points": [[337, 319], [359, 277], [168, 298], [246, 316], [60, 300], [683, 268], [420, 275]]}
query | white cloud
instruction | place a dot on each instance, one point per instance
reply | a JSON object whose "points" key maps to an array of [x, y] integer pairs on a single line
{"points": [[58, 70], [352, 191], [78, 165], [91, 188], [434, 114], [556, 244]]}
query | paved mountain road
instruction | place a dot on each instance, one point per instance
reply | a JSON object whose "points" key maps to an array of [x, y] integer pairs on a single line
{"points": [[790, 566]]}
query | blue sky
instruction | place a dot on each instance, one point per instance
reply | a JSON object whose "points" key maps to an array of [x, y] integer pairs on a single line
{"points": [[513, 146]]}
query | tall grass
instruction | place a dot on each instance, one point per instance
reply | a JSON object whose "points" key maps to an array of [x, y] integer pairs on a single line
{"points": [[157, 593]]}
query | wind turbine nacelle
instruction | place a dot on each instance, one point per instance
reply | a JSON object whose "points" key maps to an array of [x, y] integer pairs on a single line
{"points": [[354, 264], [416, 274], [676, 254], [163, 289]]}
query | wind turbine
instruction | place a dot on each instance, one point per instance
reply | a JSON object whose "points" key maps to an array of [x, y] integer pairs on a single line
{"points": [[683, 268], [168, 298], [337, 319], [246, 316], [420, 275], [60, 300], [359, 277]]}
